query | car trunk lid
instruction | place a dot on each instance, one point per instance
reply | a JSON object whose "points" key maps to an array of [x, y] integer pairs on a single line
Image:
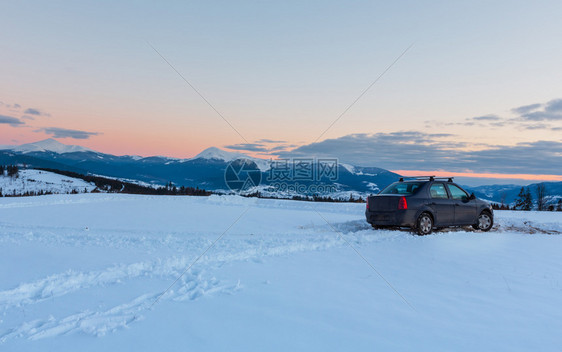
{"points": [[383, 202]]}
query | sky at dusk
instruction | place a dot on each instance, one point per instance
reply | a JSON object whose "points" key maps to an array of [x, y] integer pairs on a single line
{"points": [[478, 92]]}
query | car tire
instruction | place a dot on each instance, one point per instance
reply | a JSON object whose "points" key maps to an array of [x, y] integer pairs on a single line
{"points": [[424, 224], [484, 222]]}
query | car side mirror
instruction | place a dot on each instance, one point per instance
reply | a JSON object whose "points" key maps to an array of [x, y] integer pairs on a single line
{"points": [[472, 196]]}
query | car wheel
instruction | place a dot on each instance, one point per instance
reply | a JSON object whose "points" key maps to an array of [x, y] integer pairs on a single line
{"points": [[424, 224], [484, 221]]}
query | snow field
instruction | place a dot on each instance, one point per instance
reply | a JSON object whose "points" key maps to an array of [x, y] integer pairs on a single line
{"points": [[36, 180], [82, 271]]}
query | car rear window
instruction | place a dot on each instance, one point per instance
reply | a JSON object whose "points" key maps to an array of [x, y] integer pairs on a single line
{"points": [[403, 188]]}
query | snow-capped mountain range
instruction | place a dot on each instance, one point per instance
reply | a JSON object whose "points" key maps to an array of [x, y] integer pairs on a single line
{"points": [[54, 146], [218, 154], [207, 169], [49, 145], [214, 153]]}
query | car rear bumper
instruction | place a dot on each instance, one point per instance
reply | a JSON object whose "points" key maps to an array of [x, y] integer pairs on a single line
{"points": [[405, 218]]}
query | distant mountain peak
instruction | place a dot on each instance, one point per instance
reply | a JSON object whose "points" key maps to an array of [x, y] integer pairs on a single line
{"points": [[50, 145], [214, 153], [219, 154]]}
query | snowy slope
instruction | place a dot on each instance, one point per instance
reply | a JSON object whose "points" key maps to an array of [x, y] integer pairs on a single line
{"points": [[85, 272], [35, 181]]}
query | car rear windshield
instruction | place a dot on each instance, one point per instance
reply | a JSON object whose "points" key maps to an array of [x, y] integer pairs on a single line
{"points": [[403, 188]]}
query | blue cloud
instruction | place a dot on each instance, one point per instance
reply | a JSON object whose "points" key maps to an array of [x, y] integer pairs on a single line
{"points": [[261, 146], [12, 121], [525, 109], [35, 112], [57, 132], [265, 140], [539, 112], [251, 147], [32, 111], [422, 151], [551, 111], [487, 118]]}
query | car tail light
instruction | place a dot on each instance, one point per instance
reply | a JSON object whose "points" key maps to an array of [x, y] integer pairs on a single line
{"points": [[367, 204], [402, 204]]}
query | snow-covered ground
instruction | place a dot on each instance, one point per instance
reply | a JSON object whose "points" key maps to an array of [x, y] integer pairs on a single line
{"points": [[36, 181], [83, 272]]}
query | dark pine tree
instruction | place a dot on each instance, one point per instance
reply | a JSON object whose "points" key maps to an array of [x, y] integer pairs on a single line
{"points": [[541, 196], [12, 170], [528, 200], [520, 201]]}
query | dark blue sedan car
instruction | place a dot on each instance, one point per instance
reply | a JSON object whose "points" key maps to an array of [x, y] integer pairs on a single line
{"points": [[425, 203]]}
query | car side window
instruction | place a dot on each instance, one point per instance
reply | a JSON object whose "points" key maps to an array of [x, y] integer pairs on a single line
{"points": [[437, 190], [457, 193]]}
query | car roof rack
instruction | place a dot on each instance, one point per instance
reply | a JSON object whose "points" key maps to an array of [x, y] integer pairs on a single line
{"points": [[429, 178], [412, 178]]}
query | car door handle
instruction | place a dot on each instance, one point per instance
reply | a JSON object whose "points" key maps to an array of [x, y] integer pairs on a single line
{"points": [[457, 204], [432, 203]]}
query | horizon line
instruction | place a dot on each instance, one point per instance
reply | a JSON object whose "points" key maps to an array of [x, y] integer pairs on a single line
{"points": [[442, 173]]}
